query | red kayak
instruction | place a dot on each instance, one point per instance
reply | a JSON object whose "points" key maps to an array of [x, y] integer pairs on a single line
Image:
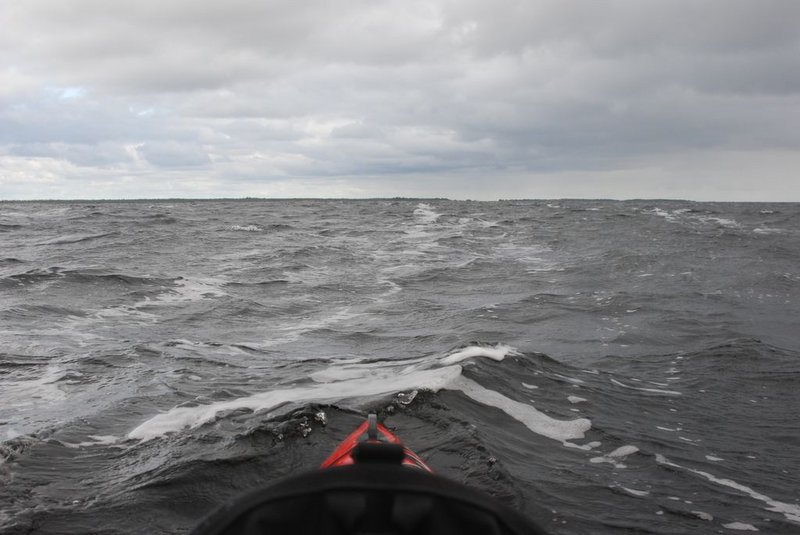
{"points": [[370, 485], [370, 432]]}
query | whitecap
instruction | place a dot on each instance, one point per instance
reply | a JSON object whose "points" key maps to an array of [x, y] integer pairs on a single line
{"points": [[194, 289], [586, 447], [740, 526], [425, 213], [360, 381], [615, 456], [572, 380], [666, 215], [652, 390], [379, 382], [43, 390], [94, 440], [623, 451], [498, 353], [790, 511], [634, 492], [538, 422], [730, 223]]}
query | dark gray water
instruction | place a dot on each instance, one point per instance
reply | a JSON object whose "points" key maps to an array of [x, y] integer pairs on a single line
{"points": [[607, 367]]}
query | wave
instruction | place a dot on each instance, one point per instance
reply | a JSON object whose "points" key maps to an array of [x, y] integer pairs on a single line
{"points": [[425, 213], [246, 228], [368, 381], [791, 511], [83, 277], [479, 389], [487, 414], [164, 219], [769, 230], [34, 311], [256, 283], [259, 228], [693, 216], [76, 238]]}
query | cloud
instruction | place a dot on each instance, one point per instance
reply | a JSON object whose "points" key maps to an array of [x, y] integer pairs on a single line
{"points": [[398, 97], [172, 154], [98, 155]]}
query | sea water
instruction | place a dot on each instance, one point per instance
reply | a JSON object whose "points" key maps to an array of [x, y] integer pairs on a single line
{"points": [[602, 366]]}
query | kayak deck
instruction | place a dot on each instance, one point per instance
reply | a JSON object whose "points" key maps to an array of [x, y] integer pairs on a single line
{"points": [[371, 432]]}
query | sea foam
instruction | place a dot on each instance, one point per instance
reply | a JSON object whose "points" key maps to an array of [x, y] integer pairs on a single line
{"points": [[789, 510], [361, 381], [538, 422], [380, 382], [498, 353], [425, 213]]}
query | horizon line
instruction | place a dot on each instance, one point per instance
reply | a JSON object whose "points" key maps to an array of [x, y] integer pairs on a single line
{"points": [[394, 198]]}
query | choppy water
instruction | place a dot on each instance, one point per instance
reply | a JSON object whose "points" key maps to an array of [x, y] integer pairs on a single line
{"points": [[607, 367]]}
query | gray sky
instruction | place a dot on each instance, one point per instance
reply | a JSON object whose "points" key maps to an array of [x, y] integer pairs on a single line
{"points": [[456, 98]]}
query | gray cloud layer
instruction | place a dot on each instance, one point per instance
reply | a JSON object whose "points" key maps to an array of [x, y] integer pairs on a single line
{"points": [[362, 98]]}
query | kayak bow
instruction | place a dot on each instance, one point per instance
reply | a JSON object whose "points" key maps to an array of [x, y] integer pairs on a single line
{"points": [[365, 441]]}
